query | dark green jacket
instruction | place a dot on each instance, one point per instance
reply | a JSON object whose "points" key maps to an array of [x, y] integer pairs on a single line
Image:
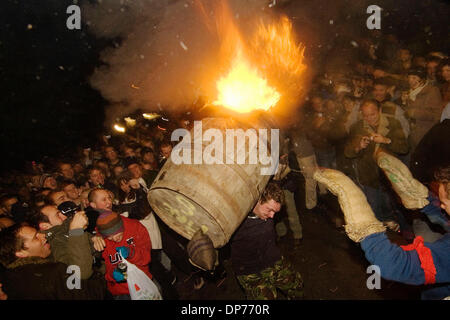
{"points": [[35, 278], [367, 171], [71, 247], [149, 176]]}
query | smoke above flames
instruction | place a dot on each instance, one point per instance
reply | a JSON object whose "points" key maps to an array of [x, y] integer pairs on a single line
{"points": [[166, 54]]}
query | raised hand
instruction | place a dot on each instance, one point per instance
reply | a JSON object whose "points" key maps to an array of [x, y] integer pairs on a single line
{"points": [[99, 243], [79, 221]]}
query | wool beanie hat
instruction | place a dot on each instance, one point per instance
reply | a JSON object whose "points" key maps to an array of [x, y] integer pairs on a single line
{"points": [[109, 223]]}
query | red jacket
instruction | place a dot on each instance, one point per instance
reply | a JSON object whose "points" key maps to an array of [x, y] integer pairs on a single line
{"points": [[137, 239]]}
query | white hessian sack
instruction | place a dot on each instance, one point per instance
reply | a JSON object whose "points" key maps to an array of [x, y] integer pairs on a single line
{"points": [[141, 287], [412, 193]]}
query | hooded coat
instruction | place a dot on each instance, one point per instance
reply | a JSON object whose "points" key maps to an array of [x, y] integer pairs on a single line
{"points": [[71, 247]]}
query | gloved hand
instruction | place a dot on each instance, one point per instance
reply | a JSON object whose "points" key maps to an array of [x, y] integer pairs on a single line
{"points": [[201, 252], [412, 192], [118, 276], [359, 217], [124, 251]]}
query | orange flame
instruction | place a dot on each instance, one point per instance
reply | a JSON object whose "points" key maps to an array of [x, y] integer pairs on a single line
{"points": [[271, 54], [243, 89], [275, 48]]}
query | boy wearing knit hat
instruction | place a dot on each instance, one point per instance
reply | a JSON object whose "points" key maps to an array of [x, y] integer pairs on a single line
{"points": [[122, 237]]}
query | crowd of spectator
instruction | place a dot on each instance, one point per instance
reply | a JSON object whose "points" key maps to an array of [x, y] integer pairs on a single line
{"points": [[96, 199]]}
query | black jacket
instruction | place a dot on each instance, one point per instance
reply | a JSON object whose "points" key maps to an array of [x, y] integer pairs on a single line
{"points": [[253, 246], [41, 279], [92, 216], [138, 207], [432, 152]]}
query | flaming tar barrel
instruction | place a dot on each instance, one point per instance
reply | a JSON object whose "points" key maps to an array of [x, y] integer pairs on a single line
{"points": [[215, 176]]}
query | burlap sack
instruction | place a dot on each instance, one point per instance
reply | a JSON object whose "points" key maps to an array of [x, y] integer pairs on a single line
{"points": [[201, 252], [412, 192], [359, 217]]}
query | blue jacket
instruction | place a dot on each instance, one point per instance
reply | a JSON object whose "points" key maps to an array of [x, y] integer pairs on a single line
{"points": [[417, 264]]}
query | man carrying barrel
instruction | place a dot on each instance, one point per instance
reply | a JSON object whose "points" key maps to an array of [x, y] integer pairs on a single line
{"points": [[257, 261]]}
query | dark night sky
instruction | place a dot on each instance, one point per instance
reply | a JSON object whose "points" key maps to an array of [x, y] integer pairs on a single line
{"points": [[47, 104]]}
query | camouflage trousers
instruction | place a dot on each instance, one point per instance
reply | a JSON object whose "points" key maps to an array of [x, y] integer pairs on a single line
{"points": [[264, 285]]}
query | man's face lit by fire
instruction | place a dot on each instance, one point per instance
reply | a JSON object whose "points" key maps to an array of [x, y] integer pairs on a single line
{"points": [[55, 217], [267, 209], [34, 244], [67, 171], [414, 81], [148, 157], [370, 114], [102, 200], [111, 154], [59, 197], [96, 177], [166, 151], [380, 92], [72, 191], [135, 170]]}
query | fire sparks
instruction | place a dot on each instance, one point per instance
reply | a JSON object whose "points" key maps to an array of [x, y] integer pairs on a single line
{"points": [[274, 46]]}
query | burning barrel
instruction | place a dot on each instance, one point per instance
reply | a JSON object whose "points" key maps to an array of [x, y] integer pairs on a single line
{"points": [[215, 197]]}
